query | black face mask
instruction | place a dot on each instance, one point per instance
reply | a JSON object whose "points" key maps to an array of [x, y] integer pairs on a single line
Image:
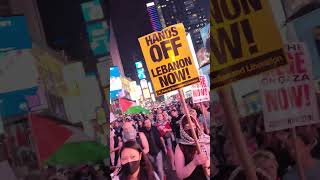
{"points": [[130, 167]]}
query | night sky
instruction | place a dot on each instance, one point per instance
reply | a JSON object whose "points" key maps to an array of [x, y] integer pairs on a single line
{"points": [[63, 25], [130, 21], [65, 28]]}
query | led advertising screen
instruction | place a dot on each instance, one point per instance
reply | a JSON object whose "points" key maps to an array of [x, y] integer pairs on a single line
{"points": [[138, 64], [143, 84], [115, 81], [98, 34], [92, 10], [146, 93], [150, 87], [14, 33], [141, 74]]}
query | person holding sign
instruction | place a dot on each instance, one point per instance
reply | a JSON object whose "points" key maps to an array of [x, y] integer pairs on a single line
{"points": [[189, 163], [311, 166]]}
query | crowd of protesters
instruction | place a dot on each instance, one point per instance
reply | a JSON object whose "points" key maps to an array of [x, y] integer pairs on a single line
{"points": [[98, 171], [140, 144], [273, 153]]}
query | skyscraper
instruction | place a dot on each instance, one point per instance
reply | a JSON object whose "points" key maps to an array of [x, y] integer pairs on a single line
{"points": [[194, 14], [154, 16]]}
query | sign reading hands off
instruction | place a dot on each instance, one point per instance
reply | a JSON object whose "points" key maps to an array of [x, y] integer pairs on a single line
{"points": [[244, 40], [169, 60]]}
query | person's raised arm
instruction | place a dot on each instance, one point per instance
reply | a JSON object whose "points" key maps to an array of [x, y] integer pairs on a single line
{"points": [[111, 146], [182, 170]]}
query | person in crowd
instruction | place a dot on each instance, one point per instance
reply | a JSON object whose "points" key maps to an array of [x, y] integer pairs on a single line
{"points": [[135, 165], [85, 173], [266, 161], [250, 140], [311, 166], [231, 161], [130, 133], [278, 147], [175, 119], [204, 117], [240, 174], [154, 140], [115, 146], [140, 124], [190, 164], [117, 127], [311, 132], [195, 115], [165, 130]]}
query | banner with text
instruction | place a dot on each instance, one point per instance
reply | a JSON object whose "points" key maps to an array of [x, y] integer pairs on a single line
{"points": [[201, 91], [244, 40], [288, 93], [169, 59]]}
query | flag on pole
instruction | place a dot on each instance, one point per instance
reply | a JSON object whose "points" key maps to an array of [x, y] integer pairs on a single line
{"points": [[125, 104]]}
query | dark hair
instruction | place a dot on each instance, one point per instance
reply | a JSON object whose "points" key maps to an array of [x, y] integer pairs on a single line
{"points": [[240, 174], [147, 119], [146, 170]]}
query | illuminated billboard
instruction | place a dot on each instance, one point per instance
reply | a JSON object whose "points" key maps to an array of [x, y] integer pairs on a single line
{"points": [[14, 33], [146, 93], [154, 17], [141, 73], [150, 87], [115, 80], [143, 84], [98, 34], [92, 10], [138, 64]]}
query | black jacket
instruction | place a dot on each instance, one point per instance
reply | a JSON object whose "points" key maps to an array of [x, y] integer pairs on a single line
{"points": [[156, 135]]}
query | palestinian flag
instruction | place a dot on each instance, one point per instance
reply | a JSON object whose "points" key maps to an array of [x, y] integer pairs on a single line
{"points": [[59, 144], [126, 104]]}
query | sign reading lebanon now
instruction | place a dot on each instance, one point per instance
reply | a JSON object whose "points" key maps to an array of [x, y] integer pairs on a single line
{"points": [[201, 91], [288, 93], [244, 40], [169, 60]]}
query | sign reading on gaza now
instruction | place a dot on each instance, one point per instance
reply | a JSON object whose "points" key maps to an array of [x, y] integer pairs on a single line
{"points": [[169, 59]]}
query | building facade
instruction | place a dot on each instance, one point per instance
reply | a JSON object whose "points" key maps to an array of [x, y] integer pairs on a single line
{"points": [[192, 13]]}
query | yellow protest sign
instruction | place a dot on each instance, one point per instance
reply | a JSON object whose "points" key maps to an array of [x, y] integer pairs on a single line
{"points": [[169, 60], [244, 40]]}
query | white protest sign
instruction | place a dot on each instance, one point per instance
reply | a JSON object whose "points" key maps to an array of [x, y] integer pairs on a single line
{"points": [[200, 91], [288, 93]]}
